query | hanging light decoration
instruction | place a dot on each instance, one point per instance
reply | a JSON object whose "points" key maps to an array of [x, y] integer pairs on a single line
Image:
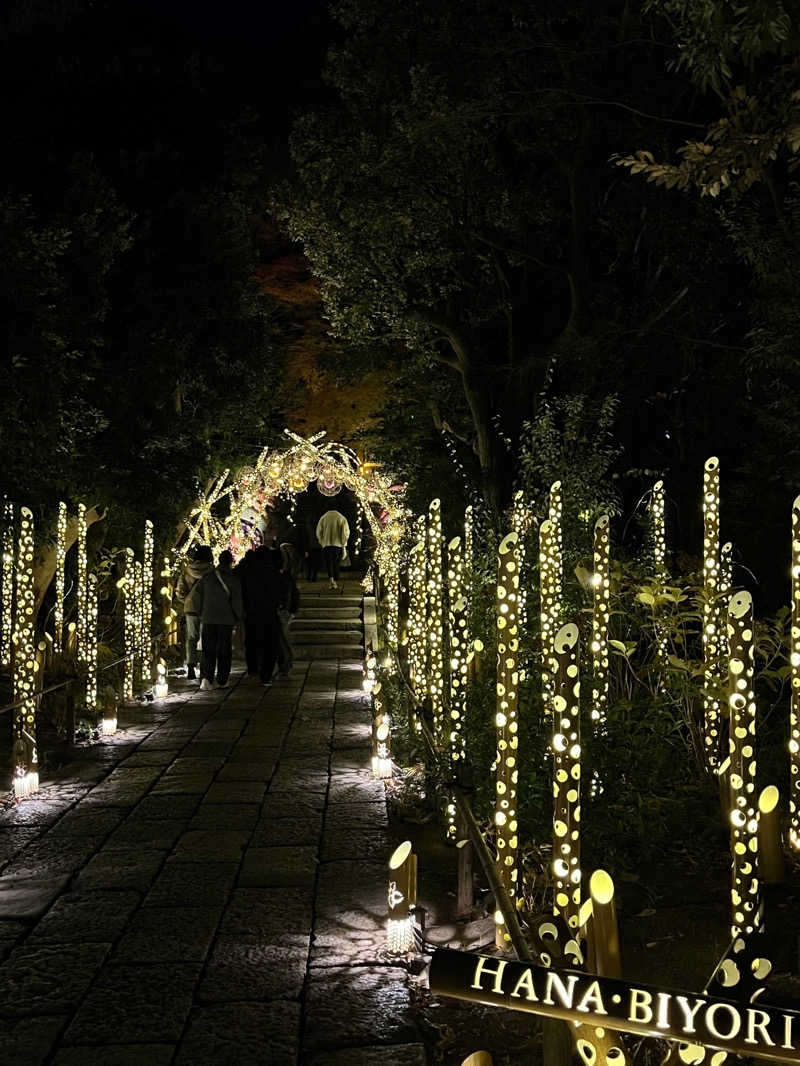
{"points": [[26, 762], [61, 555], [328, 483]]}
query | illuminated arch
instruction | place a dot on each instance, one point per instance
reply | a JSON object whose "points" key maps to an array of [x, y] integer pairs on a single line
{"points": [[281, 472]]}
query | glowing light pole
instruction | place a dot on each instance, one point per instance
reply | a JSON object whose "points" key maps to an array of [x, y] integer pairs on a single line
{"points": [[794, 706], [61, 555], [659, 533], [7, 621], [141, 632], [459, 650], [549, 607], [26, 763], [417, 634], [81, 591], [505, 816], [147, 596], [742, 769], [600, 618], [711, 612], [127, 585], [566, 749], [90, 646], [435, 619]]}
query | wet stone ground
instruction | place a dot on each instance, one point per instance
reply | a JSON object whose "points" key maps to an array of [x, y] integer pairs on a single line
{"points": [[208, 886]]}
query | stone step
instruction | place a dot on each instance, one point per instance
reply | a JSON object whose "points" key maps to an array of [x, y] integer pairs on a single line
{"points": [[327, 637], [327, 624], [329, 614], [310, 652], [328, 597]]}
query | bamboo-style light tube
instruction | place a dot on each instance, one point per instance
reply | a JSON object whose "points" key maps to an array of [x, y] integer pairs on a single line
{"points": [[742, 767], [417, 630], [26, 763], [127, 585], [61, 555], [712, 616], [506, 723], [435, 615], [7, 619], [566, 751], [794, 698], [601, 612], [402, 898], [90, 658], [459, 651], [81, 589], [550, 607]]}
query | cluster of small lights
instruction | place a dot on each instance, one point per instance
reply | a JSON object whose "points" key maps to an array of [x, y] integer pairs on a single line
{"points": [[794, 662], [566, 751], [128, 587], [26, 770], [359, 528], [435, 615], [600, 619], [506, 724], [61, 556], [203, 526], [742, 767], [417, 600], [90, 656], [725, 587], [81, 590], [712, 618], [459, 648], [7, 620], [368, 671]]}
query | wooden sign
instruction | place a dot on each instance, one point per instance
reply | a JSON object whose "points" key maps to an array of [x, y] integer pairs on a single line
{"points": [[758, 1031]]}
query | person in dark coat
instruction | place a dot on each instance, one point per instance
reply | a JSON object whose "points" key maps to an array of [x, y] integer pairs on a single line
{"points": [[260, 571], [219, 600], [187, 590], [288, 605]]}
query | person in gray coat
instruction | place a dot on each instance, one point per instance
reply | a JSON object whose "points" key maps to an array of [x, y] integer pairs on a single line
{"points": [[221, 610]]}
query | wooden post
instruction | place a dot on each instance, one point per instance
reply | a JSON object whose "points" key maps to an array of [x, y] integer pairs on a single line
{"points": [[465, 898]]}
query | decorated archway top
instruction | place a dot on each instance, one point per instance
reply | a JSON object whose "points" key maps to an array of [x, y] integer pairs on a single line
{"points": [[283, 472]]}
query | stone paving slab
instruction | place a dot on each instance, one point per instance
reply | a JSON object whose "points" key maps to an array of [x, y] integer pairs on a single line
{"points": [[214, 889]]}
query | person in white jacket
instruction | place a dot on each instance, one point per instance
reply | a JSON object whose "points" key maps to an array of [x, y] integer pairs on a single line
{"points": [[333, 532]]}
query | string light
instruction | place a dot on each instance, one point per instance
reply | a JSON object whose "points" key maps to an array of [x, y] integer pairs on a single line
{"points": [[435, 619], [741, 766], [711, 613], [61, 556], [7, 621], [142, 635], [659, 540], [81, 591], [566, 751], [26, 763], [550, 606], [506, 725], [794, 665]]}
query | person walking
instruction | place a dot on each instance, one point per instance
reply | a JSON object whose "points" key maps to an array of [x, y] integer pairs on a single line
{"points": [[187, 589], [333, 532], [221, 610], [288, 605], [261, 591], [307, 543]]}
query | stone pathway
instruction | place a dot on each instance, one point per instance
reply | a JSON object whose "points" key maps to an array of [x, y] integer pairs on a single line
{"points": [[209, 886]]}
